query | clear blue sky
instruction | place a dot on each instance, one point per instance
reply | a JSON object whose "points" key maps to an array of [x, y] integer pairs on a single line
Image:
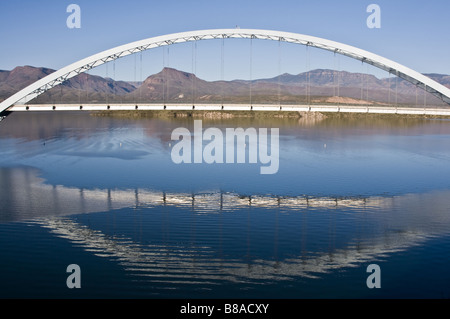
{"points": [[413, 33]]}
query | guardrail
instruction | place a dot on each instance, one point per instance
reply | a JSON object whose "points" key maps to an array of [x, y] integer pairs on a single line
{"points": [[232, 107]]}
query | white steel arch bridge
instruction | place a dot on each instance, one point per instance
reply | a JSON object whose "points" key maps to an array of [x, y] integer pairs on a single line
{"points": [[37, 88]]}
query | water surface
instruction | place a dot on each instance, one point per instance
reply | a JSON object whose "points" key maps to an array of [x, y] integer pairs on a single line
{"points": [[104, 193]]}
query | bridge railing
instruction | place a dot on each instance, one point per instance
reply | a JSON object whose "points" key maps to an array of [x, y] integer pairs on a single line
{"points": [[234, 107]]}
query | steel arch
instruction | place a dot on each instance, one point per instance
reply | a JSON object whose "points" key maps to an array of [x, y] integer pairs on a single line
{"points": [[58, 77]]}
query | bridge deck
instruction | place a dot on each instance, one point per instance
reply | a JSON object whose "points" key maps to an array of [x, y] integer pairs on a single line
{"points": [[233, 107]]}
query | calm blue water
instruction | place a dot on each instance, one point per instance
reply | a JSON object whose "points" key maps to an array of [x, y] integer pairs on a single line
{"points": [[103, 193]]}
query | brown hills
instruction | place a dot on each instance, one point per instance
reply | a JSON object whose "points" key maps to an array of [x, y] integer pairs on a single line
{"points": [[174, 86]]}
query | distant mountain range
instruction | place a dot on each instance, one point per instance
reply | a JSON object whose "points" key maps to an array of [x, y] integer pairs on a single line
{"points": [[98, 87], [171, 86]]}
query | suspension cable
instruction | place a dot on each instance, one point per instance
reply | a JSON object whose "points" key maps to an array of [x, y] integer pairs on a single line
{"points": [[425, 96], [194, 69], [222, 70], [80, 90], [308, 66], [168, 77], [306, 74], [362, 80], [114, 81], [251, 69], [192, 72], [334, 75], [164, 76], [338, 78], [141, 80], [87, 86], [367, 83], [135, 77], [396, 89], [389, 89], [107, 79], [279, 72]]}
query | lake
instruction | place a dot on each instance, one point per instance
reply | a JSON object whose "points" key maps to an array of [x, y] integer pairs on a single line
{"points": [[104, 193]]}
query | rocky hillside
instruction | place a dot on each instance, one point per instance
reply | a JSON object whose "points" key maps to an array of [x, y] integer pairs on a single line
{"points": [[83, 86], [174, 86]]}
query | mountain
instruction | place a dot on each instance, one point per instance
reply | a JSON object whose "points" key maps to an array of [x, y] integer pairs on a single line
{"points": [[174, 86], [324, 82], [178, 86], [20, 77], [83, 86]]}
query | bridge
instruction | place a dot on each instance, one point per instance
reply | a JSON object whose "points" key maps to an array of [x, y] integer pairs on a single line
{"points": [[18, 101], [233, 107]]}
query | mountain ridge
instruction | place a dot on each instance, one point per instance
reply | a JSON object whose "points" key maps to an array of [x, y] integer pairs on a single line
{"points": [[172, 85]]}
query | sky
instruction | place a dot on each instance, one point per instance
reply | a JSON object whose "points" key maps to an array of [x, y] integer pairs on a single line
{"points": [[413, 33]]}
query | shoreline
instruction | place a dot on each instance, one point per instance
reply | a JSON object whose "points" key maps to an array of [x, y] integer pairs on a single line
{"points": [[214, 115], [137, 114]]}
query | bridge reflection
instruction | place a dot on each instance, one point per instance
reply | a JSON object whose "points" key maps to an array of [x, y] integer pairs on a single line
{"points": [[24, 195], [190, 265], [397, 223]]}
